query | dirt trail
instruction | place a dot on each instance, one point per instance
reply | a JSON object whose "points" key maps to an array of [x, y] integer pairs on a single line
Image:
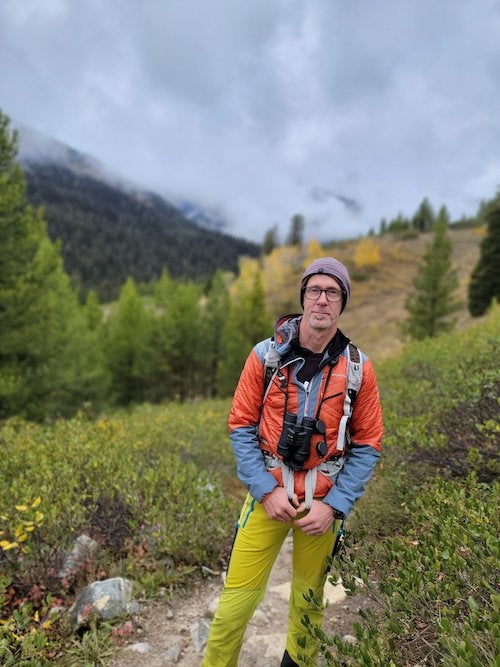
{"points": [[175, 633]]}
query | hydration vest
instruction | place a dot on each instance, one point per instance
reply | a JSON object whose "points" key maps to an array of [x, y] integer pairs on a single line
{"points": [[354, 376]]}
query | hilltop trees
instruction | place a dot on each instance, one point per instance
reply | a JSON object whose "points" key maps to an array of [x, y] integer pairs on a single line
{"points": [[296, 232], [424, 218], [270, 241], [485, 280], [431, 303]]}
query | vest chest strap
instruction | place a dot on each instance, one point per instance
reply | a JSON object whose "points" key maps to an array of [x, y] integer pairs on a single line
{"points": [[329, 468]]}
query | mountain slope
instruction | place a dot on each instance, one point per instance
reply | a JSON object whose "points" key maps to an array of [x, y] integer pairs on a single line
{"points": [[110, 230]]}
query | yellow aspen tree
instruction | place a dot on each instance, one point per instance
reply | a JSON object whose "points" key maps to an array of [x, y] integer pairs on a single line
{"points": [[367, 253], [248, 269], [281, 270], [313, 251]]}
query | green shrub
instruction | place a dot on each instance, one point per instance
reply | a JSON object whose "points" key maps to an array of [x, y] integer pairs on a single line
{"points": [[147, 485], [424, 538], [437, 599]]}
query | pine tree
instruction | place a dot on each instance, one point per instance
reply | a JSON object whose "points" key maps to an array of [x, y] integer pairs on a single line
{"points": [[424, 218], [484, 286], [431, 303], [296, 233], [215, 310], [96, 341], [176, 348], [45, 362], [128, 335], [270, 241]]}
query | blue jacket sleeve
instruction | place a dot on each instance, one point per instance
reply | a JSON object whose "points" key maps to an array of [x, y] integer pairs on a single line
{"points": [[352, 479], [250, 462]]}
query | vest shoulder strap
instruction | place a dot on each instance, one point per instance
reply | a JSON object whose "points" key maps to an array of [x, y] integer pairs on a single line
{"points": [[271, 365], [353, 385]]}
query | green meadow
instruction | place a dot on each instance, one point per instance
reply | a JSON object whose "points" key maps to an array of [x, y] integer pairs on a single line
{"points": [[155, 487]]}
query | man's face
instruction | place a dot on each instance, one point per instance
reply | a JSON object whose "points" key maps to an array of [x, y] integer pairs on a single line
{"points": [[322, 314]]}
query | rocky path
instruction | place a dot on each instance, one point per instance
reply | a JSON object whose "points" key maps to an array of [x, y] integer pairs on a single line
{"points": [[175, 633]]}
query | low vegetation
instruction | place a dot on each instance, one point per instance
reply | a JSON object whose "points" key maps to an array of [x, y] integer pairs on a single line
{"points": [[148, 486], [424, 539], [155, 488]]}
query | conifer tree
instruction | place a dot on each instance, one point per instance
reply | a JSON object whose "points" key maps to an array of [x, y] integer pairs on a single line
{"points": [[270, 241], [160, 344], [296, 233], [127, 341], [45, 362], [431, 303], [424, 218], [176, 347], [215, 310], [484, 286], [96, 340]]}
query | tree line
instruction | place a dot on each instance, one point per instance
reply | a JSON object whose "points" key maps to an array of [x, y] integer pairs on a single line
{"points": [[175, 340]]}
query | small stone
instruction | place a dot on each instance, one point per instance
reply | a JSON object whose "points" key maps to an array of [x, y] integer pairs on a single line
{"points": [[334, 593], [140, 647], [199, 635], [349, 639], [173, 653]]}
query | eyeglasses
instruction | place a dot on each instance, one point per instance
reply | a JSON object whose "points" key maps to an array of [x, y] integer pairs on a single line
{"points": [[314, 293]]}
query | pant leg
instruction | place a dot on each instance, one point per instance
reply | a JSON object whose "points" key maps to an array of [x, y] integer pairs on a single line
{"points": [[255, 549], [310, 557]]}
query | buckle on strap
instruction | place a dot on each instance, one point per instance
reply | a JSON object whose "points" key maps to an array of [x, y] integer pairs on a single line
{"points": [[332, 467], [273, 462]]}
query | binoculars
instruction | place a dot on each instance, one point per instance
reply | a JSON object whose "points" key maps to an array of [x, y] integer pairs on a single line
{"points": [[295, 440]]}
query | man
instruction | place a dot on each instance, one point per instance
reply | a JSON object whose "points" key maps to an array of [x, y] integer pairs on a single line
{"points": [[300, 474]]}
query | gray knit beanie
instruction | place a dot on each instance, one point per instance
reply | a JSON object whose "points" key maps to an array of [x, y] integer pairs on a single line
{"points": [[331, 267]]}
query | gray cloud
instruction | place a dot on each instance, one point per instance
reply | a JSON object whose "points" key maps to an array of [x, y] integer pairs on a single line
{"points": [[248, 107]]}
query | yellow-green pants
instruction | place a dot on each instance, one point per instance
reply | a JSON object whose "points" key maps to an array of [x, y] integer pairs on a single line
{"points": [[255, 549]]}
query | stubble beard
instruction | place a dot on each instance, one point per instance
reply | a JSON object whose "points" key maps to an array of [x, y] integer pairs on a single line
{"points": [[321, 321]]}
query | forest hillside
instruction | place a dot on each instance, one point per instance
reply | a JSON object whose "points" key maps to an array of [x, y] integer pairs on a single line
{"points": [[109, 232]]}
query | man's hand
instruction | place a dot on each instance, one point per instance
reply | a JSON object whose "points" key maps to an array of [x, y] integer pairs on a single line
{"points": [[278, 507], [318, 520]]}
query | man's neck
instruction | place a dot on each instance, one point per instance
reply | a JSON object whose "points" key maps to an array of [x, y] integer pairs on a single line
{"points": [[315, 339]]}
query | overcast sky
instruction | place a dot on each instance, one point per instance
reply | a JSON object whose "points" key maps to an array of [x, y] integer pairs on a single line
{"points": [[346, 111]]}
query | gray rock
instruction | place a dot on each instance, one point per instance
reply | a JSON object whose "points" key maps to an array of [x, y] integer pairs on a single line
{"points": [[105, 599], [140, 647], [173, 653], [199, 635]]}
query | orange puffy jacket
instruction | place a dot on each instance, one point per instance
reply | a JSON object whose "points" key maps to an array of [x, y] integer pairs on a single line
{"points": [[256, 426]]}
